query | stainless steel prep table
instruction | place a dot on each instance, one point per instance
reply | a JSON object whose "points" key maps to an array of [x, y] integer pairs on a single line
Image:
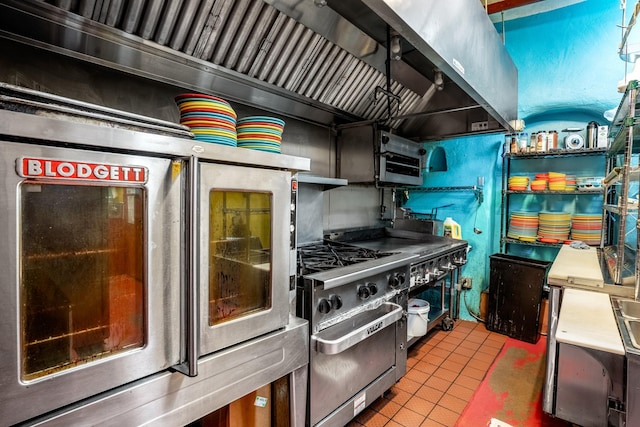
{"points": [[580, 317]]}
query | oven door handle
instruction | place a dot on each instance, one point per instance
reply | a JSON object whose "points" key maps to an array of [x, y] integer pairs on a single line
{"points": [[353, 337]]}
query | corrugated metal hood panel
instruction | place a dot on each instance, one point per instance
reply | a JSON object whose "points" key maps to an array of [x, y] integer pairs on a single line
{"points": [[320, 64]]}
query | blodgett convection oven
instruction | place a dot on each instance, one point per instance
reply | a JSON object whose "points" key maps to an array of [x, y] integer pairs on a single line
{"points": [[91, 274], [146, 276], [244, 253]]}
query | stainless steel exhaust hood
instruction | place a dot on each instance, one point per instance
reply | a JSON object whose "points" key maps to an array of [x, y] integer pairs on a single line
{"points": [[315, 60]]}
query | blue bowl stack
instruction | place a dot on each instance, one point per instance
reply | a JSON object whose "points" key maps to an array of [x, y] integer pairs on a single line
{"points": [[260, 133]]}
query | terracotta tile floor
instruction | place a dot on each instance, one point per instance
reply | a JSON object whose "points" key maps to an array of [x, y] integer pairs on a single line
{"points": [[443, 371]]}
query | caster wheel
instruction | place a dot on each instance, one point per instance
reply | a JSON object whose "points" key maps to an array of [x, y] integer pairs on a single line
{"points": [[447, 324]]}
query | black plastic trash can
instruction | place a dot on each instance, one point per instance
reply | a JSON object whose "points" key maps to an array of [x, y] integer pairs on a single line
{"points": [[516, 287]]}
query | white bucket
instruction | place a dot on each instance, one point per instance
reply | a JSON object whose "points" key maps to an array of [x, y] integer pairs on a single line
{"points": [[418, 317]]}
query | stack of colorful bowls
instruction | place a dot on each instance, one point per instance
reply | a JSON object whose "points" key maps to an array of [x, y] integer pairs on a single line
{"points": [[523, 226], [571, 183], [554, 226], [587, 228], [211, 119], [589, 183], [542, 176], [260, 133], [538, 185], [518, 183], [557, 181]]}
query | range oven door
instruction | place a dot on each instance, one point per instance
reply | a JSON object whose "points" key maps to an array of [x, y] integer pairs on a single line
{"points": [[90, 285], [244, 255], [353, 362]]}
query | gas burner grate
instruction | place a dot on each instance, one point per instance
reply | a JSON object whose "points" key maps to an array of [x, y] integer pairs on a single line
{"points": [[330, 255]]}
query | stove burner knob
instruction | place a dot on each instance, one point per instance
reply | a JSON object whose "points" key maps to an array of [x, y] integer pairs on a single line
{"points": [[324, 306], [396, 280], [373, 289], [364, 292], [460, 261], [448, 266], [433, 275], [336, 302]]}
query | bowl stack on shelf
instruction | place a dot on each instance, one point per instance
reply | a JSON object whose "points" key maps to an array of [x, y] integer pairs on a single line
{"points": [[260, 133], [554, 226], [523, 226], [518, 183], [538, 185], [542, 177], [210, 119], [540, 182], [557, 181], [571, 183], [589, 183], [587, 228]]}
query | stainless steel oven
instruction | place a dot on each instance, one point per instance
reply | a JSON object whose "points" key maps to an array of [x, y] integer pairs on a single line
{"points": [[90, 290], [369, 155], [109, 221], [244, 221], [356, 301]]}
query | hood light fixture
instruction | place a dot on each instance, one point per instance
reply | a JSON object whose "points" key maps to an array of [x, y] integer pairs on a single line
{"points": [[438, 79], [395, 48]]}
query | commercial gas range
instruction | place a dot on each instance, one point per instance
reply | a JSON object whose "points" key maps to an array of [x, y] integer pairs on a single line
{"points": [[355, 300], [435, 267], [354, 294]]}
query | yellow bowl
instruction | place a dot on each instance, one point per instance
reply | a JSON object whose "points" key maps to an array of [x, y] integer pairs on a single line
{"points": [[557, 175]]}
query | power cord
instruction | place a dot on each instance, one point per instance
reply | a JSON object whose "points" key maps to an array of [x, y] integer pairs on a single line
{"points": [[474, 315]]}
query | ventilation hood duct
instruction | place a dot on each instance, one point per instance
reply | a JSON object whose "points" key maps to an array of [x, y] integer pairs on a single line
{"points": [[320, 61]]}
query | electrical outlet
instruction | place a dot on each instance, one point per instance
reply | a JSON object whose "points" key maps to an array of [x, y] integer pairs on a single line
{"points": [[479, 126], [465, 282]]}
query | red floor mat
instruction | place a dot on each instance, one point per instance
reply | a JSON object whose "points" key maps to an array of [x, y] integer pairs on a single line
{"points": [[512, 389]]}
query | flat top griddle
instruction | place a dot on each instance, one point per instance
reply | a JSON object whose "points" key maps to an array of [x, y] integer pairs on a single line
{"points": [[411, 242]]}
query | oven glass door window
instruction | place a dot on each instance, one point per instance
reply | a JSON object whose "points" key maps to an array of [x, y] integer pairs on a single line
{"points": [[82, 274], [240, 255]]}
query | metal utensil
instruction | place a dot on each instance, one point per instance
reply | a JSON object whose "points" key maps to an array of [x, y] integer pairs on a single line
{"points": [[476, 229]]}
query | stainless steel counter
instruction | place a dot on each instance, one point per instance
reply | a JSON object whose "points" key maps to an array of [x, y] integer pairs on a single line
{"points": [[627, 318], [585, 357], [582, 269]]}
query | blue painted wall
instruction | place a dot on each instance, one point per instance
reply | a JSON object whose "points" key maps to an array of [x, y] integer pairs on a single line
{"points": [[567, 59], [568, 71], [468, 158]]}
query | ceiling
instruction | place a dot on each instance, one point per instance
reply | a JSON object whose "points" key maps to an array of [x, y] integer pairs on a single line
{"points": [[496, 6], [499, 10]]}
